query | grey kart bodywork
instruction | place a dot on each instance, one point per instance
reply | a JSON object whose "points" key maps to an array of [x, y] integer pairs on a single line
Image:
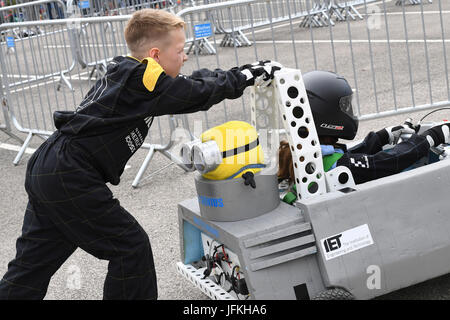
{"points": [[282, 251]]}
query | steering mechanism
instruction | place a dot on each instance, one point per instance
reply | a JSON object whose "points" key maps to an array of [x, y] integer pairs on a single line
{"points": [[442, 150]]}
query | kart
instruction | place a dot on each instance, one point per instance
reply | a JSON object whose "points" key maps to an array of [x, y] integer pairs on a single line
{"points": [[338, 241]]}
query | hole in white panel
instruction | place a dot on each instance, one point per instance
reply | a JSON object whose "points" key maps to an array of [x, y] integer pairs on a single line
{"points": [[292, 92], [313, 187], [262, 104], [263, 120], [299, 146], [293, 124], [343, 178], [297, 112], [288, 103], [302, 100], [282, 81], [310, 168], [303, 132]]}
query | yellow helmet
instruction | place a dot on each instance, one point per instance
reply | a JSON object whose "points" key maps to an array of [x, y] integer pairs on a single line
{"points": [[239, 145]]}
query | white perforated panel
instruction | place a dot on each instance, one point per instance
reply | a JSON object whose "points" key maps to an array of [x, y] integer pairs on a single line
{"points": [[264, 112], [265, 117], [290, 94], [339, 178]]}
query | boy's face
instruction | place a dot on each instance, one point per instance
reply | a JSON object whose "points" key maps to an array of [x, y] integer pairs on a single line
{"points": [[171, 56]]}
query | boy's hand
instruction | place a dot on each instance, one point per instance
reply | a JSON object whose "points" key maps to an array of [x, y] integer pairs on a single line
{"points": [[260, 73], [438, 134]]}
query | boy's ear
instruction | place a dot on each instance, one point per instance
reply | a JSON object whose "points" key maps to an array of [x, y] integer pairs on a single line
{"points": [[154, 53]]}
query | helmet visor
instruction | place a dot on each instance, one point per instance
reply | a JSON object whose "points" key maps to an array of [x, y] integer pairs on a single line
{"points": [[346, 105]]}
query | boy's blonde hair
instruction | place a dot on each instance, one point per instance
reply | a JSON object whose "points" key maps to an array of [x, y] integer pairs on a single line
{"points": [[149, 28]]}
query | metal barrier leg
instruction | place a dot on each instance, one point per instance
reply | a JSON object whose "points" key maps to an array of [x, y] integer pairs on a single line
{"points": [[12, 135], [164, 151], [63, 79], [144, 166], [23, 148]]}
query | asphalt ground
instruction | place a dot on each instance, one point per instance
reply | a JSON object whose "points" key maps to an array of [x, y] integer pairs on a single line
{"points": [[154, 203]]}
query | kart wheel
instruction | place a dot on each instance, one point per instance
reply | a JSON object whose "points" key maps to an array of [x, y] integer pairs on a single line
{"points": [[334, 294]]}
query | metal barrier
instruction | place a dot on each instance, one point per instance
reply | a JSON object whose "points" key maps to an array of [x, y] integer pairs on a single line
{"points": [[55, 69], [401, 2], [32, 11], [5, 125], [256, 14], [324, 12], [389, 67], [96, 8]]}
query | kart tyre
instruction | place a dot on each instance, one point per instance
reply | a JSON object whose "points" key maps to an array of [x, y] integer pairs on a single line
{"points": [[334, 294]]}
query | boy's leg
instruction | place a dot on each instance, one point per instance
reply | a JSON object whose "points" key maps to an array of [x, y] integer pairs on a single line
{"points": [[131, 271], [109, 232], [65, 187], [89, 216], [41, 250]]}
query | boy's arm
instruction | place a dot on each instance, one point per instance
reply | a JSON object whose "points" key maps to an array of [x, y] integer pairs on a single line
{"points": [[366, 167], [186, 94], [198, 92]]}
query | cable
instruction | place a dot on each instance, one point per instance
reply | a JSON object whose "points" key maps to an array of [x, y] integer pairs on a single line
{"points": [[444, 108], [226, 257]]}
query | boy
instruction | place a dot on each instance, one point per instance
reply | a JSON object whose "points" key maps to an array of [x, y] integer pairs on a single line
{"points": [[70, 205], [330, 98]]}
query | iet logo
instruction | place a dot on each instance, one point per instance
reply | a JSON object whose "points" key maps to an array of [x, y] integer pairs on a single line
{"points": [[332, 243]]}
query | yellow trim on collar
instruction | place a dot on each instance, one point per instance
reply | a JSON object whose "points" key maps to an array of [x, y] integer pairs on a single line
{"points": [[151, 73], [133, 58]]}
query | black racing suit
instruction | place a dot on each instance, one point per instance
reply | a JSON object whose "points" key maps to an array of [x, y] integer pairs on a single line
{"points": [[368, 161], [70, 205]]}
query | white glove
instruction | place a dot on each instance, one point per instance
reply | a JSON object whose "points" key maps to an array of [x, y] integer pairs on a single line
{"points": [[395, 132]]}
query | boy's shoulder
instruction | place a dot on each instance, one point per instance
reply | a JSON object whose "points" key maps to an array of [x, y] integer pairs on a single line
{"points": [[125, 62]]}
